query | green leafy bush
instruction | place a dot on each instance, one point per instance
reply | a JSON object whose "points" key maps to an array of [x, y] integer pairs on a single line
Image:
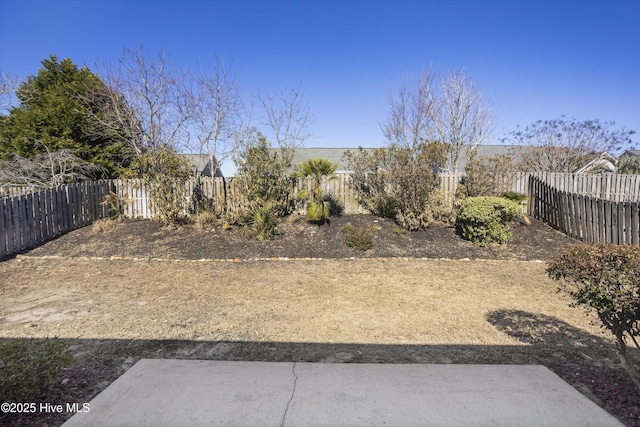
{"points": [[360, 238], [484, 219], [604, 278], [516, 197], [27, 366]]}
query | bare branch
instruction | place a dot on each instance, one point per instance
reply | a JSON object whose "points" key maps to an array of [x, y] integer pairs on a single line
{"points": [[461, 118], [8, 86], [287, 116], [111, 117], [48, 169], [564, 145], [156, 92], [452, 112], [408, 120], [216, 110]]}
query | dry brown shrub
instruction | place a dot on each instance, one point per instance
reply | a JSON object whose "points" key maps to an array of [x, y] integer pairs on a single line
{"points": [[204, 219], [103, 225]]}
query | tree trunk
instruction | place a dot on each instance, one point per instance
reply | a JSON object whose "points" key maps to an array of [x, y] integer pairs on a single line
{"points": [[622, 353]]}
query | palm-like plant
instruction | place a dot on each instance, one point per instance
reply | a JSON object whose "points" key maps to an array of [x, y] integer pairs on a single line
{"points": [[318, 209]]}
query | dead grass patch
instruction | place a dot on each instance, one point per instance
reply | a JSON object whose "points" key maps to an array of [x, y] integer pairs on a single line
{"points": [[330, 301]]}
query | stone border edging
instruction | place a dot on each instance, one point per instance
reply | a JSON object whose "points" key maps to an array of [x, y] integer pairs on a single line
{"points": [[250, 260]]}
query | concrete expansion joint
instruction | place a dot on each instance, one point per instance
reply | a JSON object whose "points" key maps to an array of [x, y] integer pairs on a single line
{"points": [[293, 392]]}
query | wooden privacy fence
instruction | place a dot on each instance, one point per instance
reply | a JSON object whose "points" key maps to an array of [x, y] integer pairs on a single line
{"points": [[225, 195], [608, 186], [31, 219], [590, 219], [590, 207]]}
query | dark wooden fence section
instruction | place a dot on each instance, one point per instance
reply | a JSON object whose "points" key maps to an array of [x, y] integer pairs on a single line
{"points": [[31, 219], [590, 219]]}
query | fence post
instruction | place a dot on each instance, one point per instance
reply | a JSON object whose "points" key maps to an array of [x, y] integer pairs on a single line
{"points": [[17, 223], [37, 218], [3, 228], [635, 223]]}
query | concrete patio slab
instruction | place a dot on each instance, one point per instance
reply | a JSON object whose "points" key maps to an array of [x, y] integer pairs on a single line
{"points": [[211, 393]]}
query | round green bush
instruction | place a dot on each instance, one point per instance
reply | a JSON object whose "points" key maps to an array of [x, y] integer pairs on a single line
{"points": [[484, 219]]}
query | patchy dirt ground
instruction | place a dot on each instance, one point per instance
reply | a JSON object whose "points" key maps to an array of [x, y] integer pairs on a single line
{"points": [[137, 290]]}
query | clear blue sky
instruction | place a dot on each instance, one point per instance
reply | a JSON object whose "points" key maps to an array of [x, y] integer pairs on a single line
{"points": [[534, 59]]}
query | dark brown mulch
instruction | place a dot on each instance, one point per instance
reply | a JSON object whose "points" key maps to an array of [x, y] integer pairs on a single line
{"points": [[301, 239]]}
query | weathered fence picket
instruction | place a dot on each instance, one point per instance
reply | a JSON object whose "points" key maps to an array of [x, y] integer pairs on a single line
{"points": [[590, 219], [28, 220]]}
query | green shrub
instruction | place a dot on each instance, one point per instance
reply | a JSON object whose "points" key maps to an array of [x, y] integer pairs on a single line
{"points": [[359, 238], [264, 176], [484, 219], [604, 278], [28, 366], [318, 211], [516, 197]]}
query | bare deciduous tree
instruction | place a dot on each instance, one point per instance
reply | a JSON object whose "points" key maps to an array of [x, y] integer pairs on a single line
{"points": [[460, 117], [153, 104], [564, 145], [408, 119], [156, 97], [216, 113], [449, 110], [287, 116], [112, 118]]}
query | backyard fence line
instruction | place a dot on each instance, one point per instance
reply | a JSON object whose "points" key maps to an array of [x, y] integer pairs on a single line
{"points": [[590, 207], [226, 196], [589, 219], [29, 220], [607, 186]]}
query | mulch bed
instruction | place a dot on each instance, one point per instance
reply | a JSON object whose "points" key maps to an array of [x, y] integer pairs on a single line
{"points": [[301, 239]]}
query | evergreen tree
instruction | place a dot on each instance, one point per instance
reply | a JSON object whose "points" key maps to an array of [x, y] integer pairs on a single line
{"points": [[53, 114]]}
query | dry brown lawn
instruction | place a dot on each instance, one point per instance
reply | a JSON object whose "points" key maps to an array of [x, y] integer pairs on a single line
{"points": [[366, 301]]}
